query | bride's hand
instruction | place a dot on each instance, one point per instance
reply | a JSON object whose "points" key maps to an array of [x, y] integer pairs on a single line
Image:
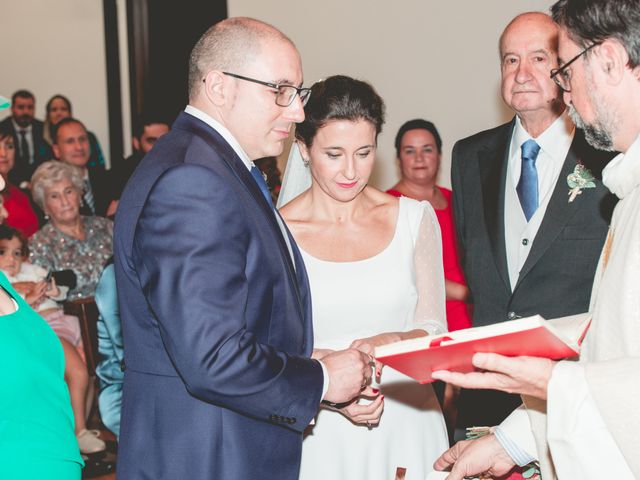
{"points": [[369, 344], [318, 353], [365, 414]]}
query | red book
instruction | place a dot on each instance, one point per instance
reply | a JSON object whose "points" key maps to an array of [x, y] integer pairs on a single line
{"points": [[531, 336]]}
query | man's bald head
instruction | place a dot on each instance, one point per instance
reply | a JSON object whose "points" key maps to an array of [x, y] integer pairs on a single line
{"points": [[228, 46], [528, 20]]}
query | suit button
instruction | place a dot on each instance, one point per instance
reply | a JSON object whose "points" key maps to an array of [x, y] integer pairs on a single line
{"points": [[122, 366], [512, 315], [525, 241]]}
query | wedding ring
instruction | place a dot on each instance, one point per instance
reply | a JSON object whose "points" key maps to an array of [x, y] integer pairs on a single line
{"points": [[369, 426], [372, 361]]}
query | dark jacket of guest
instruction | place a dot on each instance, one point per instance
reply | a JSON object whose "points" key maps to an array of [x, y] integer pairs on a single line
{"points": [[22, 170], [99, 180]]}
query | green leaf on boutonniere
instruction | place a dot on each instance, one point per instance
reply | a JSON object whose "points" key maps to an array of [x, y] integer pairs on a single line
{"points": [[579, 179], [531, 471]]}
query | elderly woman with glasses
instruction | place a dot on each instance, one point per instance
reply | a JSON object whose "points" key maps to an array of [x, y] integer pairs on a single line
{"points": [[69, 240]]}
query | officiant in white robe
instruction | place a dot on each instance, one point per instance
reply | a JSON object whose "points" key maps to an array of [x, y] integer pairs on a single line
{"points": [[582, 418]]}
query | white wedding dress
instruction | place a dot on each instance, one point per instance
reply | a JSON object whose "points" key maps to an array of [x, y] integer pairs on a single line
{"points": [[399, 289]]}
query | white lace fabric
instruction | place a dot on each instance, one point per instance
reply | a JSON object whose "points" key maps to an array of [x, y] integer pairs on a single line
{"points": [[430, 314]]}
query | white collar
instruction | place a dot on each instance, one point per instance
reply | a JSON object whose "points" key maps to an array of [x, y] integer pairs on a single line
{"points": [[223, 131], [622, 174], [19, 129], [554, 141]]}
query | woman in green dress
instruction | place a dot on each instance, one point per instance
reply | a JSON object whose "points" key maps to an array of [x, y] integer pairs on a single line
{"points": [[37, 437]]}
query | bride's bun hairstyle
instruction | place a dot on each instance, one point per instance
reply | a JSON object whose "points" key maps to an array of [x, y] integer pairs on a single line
{"points": [[340, 98]]}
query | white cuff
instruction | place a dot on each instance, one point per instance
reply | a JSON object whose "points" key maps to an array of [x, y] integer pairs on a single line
{"points": [[517, 427], [517, 454], [325, 382]]}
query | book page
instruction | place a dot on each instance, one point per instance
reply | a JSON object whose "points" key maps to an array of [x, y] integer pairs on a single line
{"points": [[468, 334], [570, 329]]}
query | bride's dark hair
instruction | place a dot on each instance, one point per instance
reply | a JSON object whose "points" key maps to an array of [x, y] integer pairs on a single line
{"points": [[340, 98]]}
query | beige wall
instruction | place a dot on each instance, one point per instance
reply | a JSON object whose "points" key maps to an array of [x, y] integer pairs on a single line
{"points": [[436, 60], [427, 58], [52, 47]]}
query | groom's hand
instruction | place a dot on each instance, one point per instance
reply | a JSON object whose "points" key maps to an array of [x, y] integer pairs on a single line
{"points": [[349, 373]]}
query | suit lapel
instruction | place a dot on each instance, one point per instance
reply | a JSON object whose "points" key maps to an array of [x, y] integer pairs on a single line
{"points": [[492, 163], [559, 212], [240, 170]]}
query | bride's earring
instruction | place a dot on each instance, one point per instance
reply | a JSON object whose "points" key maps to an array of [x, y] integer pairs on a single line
{"points": [[306, 162]]}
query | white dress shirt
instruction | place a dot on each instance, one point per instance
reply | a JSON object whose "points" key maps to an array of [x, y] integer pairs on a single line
{"points": [[28, 137], [554, 144]]}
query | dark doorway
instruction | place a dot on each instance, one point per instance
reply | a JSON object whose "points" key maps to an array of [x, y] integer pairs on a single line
{"points": [[161, 36]]}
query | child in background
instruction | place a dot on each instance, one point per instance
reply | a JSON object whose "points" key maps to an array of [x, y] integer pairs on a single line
{"points": [[42, 295]]}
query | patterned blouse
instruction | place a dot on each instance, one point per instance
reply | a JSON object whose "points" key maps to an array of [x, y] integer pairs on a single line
{"points": [[54, 250]]}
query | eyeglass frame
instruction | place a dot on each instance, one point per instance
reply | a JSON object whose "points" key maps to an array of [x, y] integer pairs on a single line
{"points": [[562, 69], [300, 91]]}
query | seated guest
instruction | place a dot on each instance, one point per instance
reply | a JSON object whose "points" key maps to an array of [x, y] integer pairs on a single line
{"points": [[42, 295], [419, 150], [17, 204], [37, 439], [28, 138], [71, 145], [110, 370], [146, 132], [59, 107], [69, 240]]}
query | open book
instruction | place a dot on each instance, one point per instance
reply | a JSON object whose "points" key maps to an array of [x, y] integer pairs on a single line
{"points": [[531, 336]]}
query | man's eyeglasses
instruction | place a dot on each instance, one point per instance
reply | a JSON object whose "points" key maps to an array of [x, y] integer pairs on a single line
{"points": [[562, 75], [285, 93]]}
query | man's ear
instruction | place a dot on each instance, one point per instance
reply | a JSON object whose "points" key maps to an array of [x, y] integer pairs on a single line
{"points": [[216, 87], [56, 150], [136, 143], [614, 60]]}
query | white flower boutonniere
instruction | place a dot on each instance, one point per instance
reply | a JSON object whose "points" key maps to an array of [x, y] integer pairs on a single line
{"points": [[580, 178]]}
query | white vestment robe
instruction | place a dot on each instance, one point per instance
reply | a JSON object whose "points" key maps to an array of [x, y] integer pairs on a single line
{"points": [[589, 428]]}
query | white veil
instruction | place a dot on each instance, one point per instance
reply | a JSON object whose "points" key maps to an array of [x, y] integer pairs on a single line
{"points": [[297, 177]]}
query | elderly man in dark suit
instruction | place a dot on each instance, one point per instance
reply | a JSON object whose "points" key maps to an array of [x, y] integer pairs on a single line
{"points": [[213, 292], [530, 240], [32, 148]]}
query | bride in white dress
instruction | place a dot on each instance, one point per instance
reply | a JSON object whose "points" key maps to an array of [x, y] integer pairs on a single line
{"points": [[375, 268]]}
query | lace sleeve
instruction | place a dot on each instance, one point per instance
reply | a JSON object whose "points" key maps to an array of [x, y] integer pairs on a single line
{"points": [[430, 313]]}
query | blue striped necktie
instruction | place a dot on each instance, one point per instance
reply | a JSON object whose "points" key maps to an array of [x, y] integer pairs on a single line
{"points": [[257, 176], [88, 196], [528, 184]]}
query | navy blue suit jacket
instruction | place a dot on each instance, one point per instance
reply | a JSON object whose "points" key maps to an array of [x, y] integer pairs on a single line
{"points": [[216, 319]]}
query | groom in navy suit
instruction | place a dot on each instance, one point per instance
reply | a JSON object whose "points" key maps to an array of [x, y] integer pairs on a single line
{"points": [[214, 297]]}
